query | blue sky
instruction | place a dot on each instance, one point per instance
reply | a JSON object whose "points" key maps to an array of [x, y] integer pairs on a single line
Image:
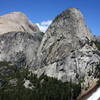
{"points": [[42, 11]]}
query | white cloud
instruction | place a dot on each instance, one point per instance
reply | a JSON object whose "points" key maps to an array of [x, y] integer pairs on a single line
{"points": [[44, 25]]}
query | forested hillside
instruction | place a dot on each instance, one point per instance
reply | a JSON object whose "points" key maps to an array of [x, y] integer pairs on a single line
{"points": [[12, 86]]}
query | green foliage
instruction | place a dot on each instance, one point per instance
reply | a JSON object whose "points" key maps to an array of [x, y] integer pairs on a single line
{"points": [[45, 88], [98, 82], [7, 70], [97, 73]]}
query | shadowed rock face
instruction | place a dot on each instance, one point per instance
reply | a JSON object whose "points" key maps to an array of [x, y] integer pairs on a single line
{"points": [[67, 51], [19, 48], [16, 21]]}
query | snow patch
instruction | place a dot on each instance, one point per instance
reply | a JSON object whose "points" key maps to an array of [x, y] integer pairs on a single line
{"points": [[95, 95]]}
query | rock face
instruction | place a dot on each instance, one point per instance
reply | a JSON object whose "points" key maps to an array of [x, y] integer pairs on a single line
{"points": [[67, 51], [19, 39], [16, 21], [67, 33], [19, 48]]}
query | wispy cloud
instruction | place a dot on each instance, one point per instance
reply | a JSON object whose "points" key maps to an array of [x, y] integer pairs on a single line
{"points": [[44, 25]]}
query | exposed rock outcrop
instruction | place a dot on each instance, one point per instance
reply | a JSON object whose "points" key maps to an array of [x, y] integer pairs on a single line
{"points": [[19, 39], [67, 50], [67, 33], [16, 21], [19, 48]]}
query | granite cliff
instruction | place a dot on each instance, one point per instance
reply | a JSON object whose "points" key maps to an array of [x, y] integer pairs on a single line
{"points": [[19, 39], [67, 51]]}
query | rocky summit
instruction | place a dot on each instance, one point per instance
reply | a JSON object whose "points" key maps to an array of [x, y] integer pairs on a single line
{"points": [[16, 21], [67, 33], [19, 39]]}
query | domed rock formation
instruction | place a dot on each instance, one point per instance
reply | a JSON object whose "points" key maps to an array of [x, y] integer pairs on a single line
{"points": [[16, 21], [19, 39], [67, 51], [67, 33]]}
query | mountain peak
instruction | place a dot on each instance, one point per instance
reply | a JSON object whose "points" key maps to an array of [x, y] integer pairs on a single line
{"points": [[67, 48], [71, 22], [74, 12], [17, 21]]}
